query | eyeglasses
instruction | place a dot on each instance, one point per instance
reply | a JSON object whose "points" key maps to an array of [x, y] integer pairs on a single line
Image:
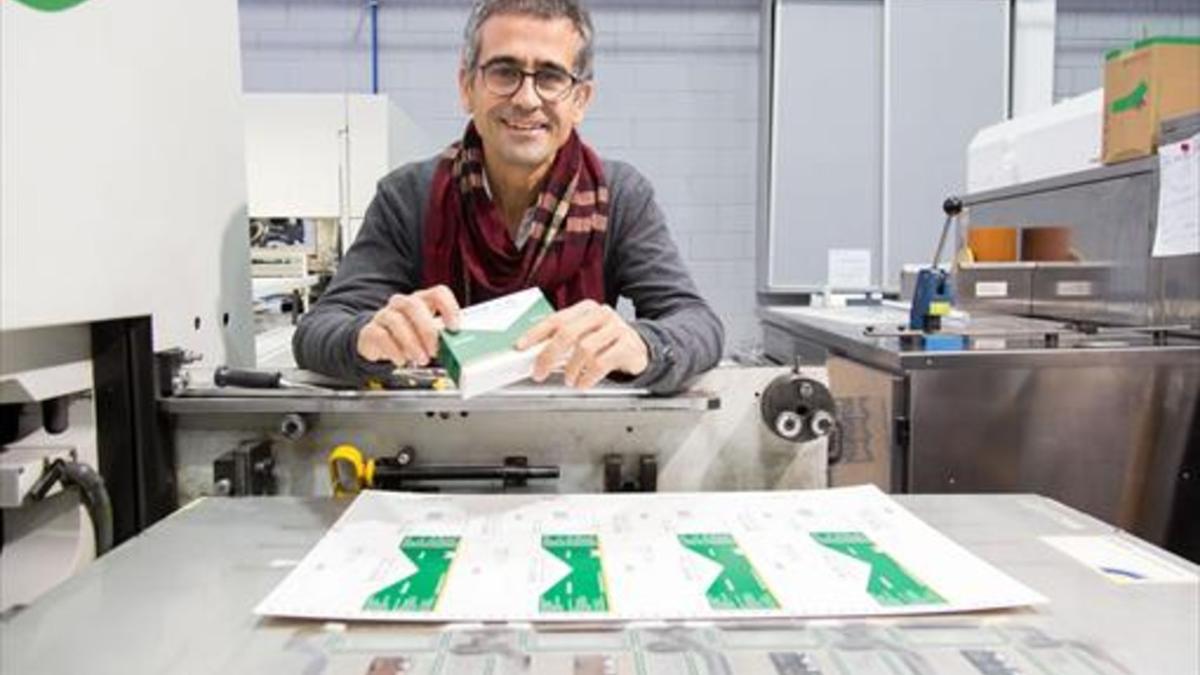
{"points": [[505, 79]]}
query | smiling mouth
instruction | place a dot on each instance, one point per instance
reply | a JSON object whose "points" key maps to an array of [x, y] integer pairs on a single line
{"points": [[525, 127]]}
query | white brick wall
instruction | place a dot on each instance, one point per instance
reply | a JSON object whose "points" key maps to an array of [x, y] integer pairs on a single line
{"points": [[1086, 29], [677, 97]]}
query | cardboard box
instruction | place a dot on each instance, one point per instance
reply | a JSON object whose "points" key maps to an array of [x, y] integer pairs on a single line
{"points": [[1157, 79], [479, 356], [992, 244]]}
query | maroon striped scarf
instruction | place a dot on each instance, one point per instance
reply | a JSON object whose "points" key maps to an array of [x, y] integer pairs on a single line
{"points": [[467, 246]]}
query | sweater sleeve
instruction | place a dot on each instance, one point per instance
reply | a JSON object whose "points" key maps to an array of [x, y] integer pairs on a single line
{"points": [[384, 260], [684, 336]]}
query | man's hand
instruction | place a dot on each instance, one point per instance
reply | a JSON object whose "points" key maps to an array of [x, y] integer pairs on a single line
{"points": [[405, 331], [597, 339]]}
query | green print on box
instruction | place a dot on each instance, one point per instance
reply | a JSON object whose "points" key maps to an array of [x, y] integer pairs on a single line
{"points": [[1134, 100], [890, 584], [480, 356], [583, 589], [738, 586], [419, 591], [50, 5]]}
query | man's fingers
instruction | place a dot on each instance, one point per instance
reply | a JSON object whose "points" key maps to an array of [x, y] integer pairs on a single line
{"points": [[405, 331], [398, 327], [442, 302], [566, 337], [549, 325], [599, 368], [540, 331], [376, 344], [420, 320], [589, 349]]}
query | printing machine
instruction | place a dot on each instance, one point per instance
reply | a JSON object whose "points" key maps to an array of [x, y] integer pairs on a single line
{"points": [[122, 199]]}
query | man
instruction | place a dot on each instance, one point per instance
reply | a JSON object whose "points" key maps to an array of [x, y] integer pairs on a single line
{"points": [[520, 201]]}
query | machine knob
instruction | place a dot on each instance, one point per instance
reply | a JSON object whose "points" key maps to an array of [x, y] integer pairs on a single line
{"points": [[789, 425], [798, 409]]}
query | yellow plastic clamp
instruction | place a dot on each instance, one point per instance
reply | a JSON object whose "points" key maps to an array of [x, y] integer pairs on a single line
{"points": [[349, 472]]}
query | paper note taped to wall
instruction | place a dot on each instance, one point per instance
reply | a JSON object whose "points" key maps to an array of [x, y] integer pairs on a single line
{"points": [[1178, 228], [849, 268]]}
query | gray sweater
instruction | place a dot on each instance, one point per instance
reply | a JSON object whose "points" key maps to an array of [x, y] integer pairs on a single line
{"points": [[641, 262]]}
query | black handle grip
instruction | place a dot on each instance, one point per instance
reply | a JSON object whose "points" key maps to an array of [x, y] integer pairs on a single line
{"points": [[252, 379]]}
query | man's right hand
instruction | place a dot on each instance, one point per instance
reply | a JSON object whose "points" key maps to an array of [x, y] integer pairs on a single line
{"points": [[405, 331]]}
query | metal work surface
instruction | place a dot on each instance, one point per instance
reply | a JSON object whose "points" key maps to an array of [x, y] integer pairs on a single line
{"points": [[247, 401], [996, 340], [1094, 423], [179, 598], [203, 397]]}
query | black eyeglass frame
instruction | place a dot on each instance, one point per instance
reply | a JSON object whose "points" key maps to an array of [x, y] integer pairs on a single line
{"points": [[575, 79]]}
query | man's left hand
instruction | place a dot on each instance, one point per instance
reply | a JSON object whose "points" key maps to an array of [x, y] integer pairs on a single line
{"points": [[595, 337]]}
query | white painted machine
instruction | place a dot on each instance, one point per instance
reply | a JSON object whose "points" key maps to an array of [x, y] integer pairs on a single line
{"points": [[122, 232]]}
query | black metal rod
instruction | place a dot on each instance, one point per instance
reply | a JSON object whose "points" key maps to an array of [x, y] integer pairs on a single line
{"points": [[464, 472]]}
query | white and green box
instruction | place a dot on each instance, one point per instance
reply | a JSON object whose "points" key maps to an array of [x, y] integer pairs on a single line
{"points": [[479, 356]]}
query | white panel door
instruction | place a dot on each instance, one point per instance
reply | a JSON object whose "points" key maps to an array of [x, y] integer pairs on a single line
{"points": [[367, 118], [294, 154], [827, 136], [947, 78]]}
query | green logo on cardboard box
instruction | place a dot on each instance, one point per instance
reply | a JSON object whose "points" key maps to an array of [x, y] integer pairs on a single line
{"points": [[51, 5], [1133, 100]]}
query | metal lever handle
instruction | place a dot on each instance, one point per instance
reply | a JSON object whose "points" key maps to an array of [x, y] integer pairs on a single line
{"points": [[252, 379]]}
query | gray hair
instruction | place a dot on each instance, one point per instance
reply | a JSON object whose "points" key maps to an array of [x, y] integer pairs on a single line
{"points": [[572, 10]]}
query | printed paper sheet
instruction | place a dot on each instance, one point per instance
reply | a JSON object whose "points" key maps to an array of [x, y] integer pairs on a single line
{"points": [[829, 553]]}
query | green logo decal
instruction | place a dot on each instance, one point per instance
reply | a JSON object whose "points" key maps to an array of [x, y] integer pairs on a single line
{"points": [[51, 5], [1134, 100]]}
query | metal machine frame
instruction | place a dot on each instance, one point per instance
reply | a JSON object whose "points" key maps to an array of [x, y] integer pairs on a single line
{"points": [[603, 440]]}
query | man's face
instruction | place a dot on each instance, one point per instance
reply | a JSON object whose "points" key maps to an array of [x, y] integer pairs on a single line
{"points": [[524, 131]]}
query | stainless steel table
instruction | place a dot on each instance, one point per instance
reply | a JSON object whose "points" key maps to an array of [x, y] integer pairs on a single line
{"points": [[997, 341], [1106, 422], [178, 599]]}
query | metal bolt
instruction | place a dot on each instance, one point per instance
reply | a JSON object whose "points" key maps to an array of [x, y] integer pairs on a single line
{"points": [[806, 389], [292, 426], [406, 455]]}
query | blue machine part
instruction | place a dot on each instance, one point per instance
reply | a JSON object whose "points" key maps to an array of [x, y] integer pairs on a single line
{"points": [[932, 297], [943, 342]]}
